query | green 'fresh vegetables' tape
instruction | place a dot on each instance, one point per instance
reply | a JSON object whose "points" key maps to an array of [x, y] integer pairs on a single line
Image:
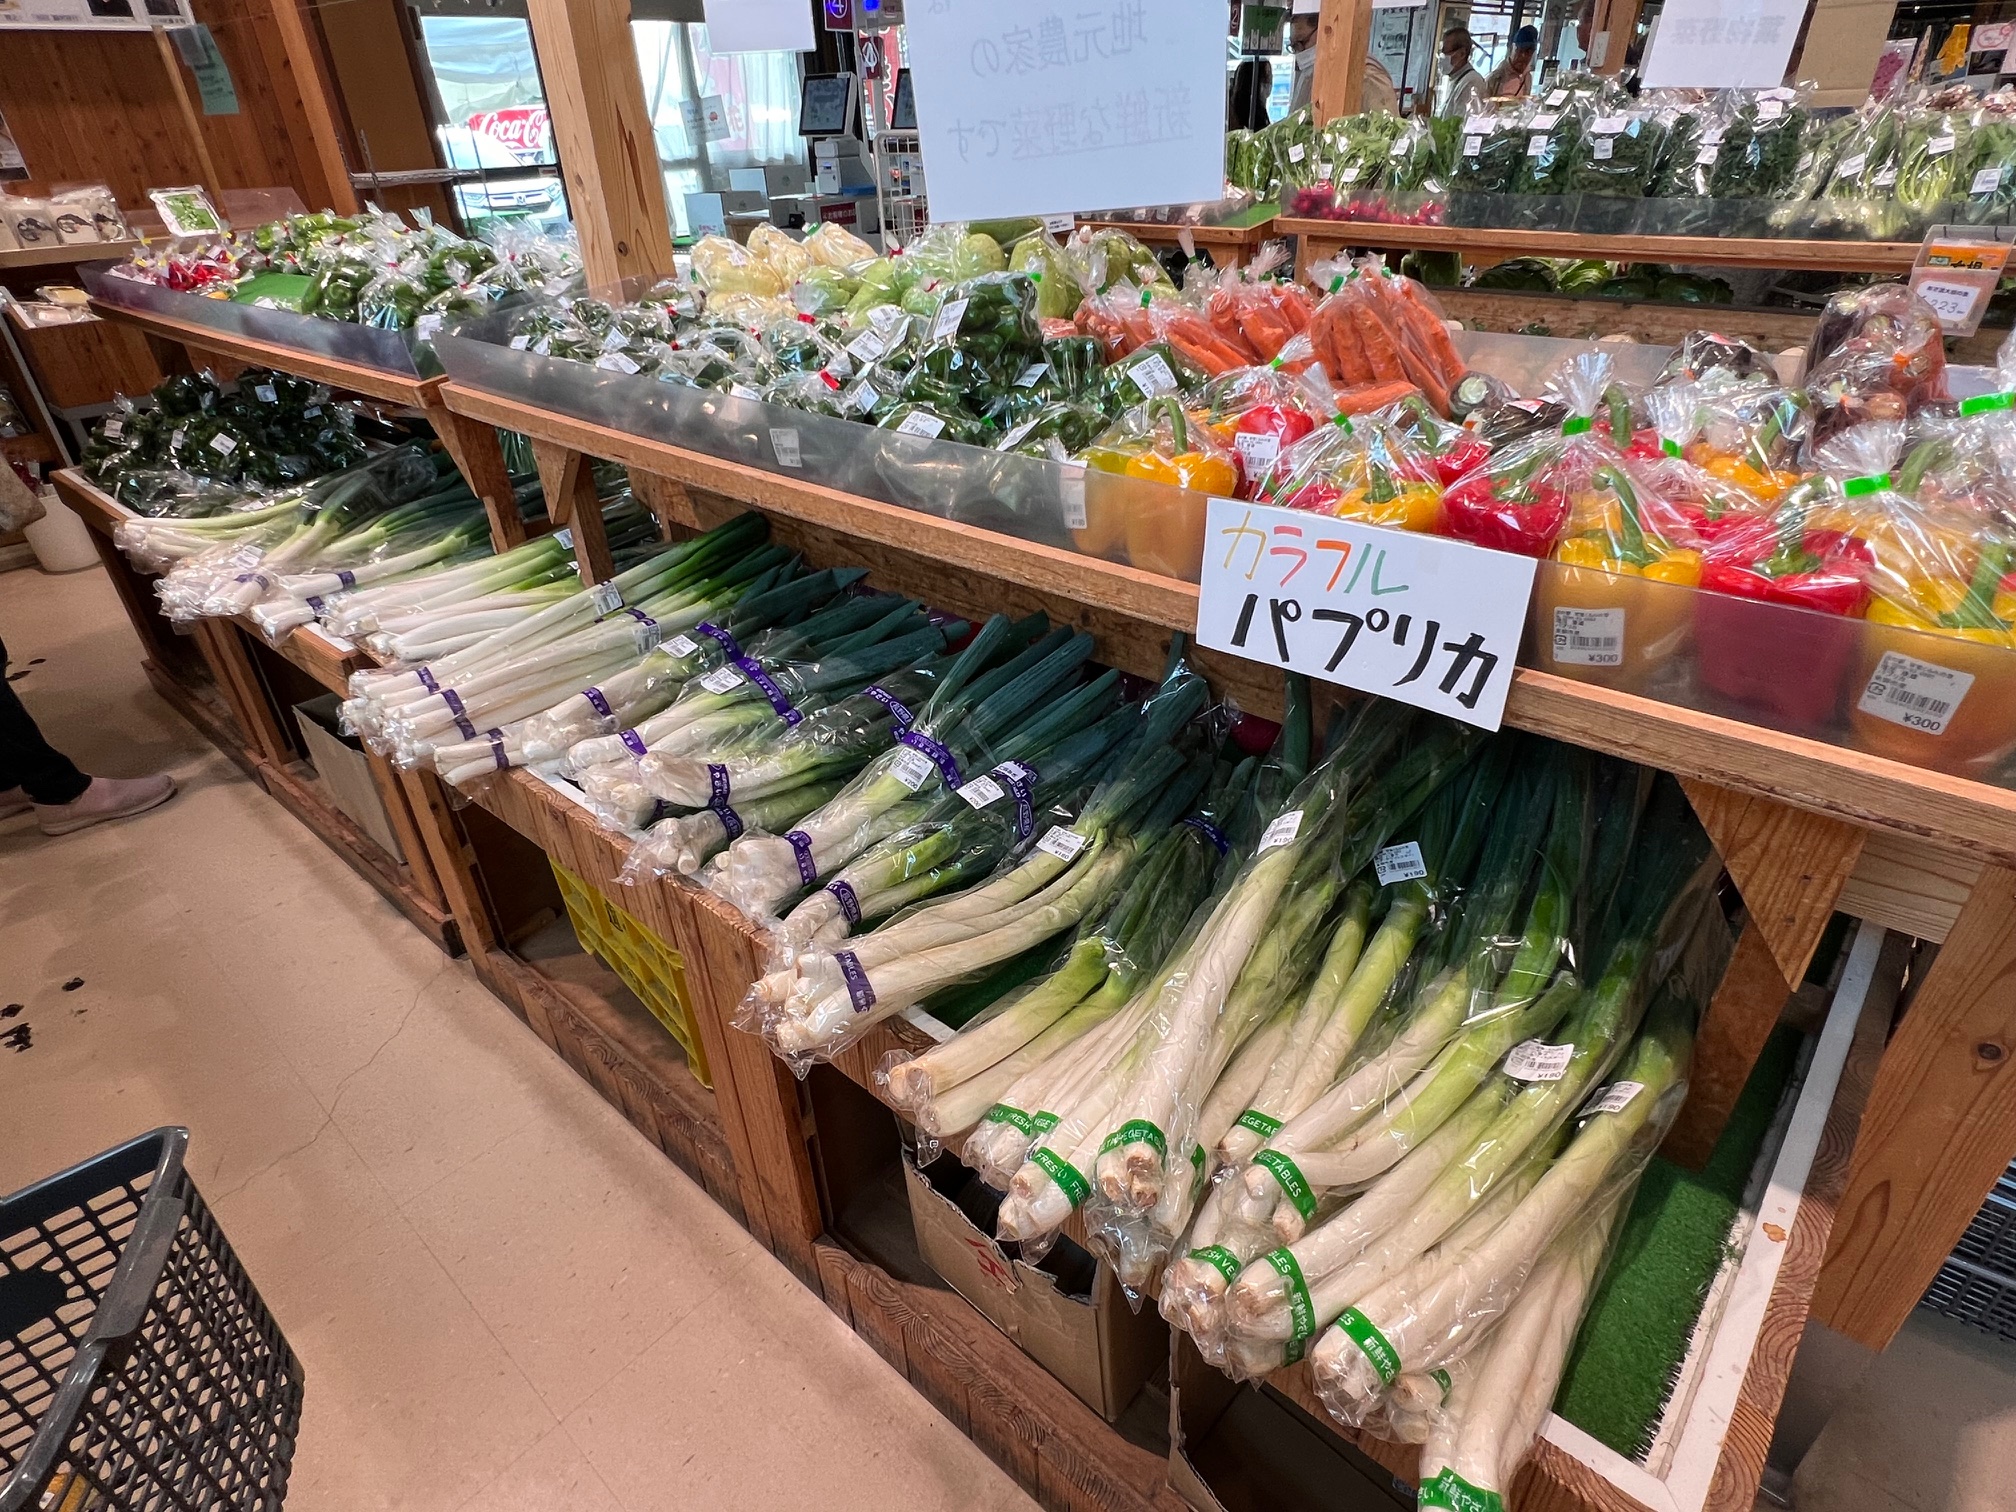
{"points": [[1292, 1181], [1015, 1118], [1259, 1123], [1045, 1122], [1441, 1378], [1451, 1493], [1669, 446], [1301, 1311], [1219, 1259], [1575, 425], [1981, 404], [1065, 1174], [1137, 1131], [1371, 1343], [1855, 488]]}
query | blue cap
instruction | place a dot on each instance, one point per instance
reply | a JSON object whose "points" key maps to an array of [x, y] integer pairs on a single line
{"points": [[1526, 36]]}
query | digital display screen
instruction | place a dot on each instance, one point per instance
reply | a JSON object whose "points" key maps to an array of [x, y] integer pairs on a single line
{"points": [[903, 111], [827, 106]]}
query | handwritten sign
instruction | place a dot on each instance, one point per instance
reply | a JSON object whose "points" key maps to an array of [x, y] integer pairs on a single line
{"points": [[1723, 44], [1055, 106], [1432, 622]]}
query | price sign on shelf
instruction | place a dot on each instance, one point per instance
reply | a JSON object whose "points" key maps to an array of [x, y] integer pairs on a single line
{"points": [[1432, 622], [1957, 277]]}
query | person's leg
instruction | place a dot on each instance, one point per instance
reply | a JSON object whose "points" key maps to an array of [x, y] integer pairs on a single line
{"points": [[34, 772], [27, 761]]}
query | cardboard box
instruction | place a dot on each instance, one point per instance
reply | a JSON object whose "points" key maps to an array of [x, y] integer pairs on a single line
{"points": [[1068, 1313], [1242, 1448], [340, 762]]}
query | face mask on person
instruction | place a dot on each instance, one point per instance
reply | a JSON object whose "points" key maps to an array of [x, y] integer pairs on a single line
{"points": [[1450, 63]]}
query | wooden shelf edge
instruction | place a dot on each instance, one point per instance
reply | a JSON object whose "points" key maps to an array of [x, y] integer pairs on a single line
{"points": [[1735, 252], [65, 255], [1969, 816]]}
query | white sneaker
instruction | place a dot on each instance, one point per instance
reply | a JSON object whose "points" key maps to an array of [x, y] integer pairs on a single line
{"points": [[106, 798]]}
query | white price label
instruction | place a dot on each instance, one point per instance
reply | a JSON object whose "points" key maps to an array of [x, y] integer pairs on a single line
{"points": [[1062, 225], [1324, 172], [1031, 375], [982, 791], [866, 397], [565, 537], [723, 680], [1297, 152], [607, 596], [1953, 303], [1712, 137], [891, 320], [1536, 145], [428, 326], [614, 340], [947, 323], [222, 444], [911, 768], [647, 635], [1014, 438], [265, 393], [785, 443], [1071, 490], [841, 367], [1885, 179], [616, 362], [1063, 843], [1433, 622], [682, 645], [1281, 832], [1940, 145], [868, 346], [114, 429], [1987, 181], [1770, 110], [1918, 695], [175, 441], [1472, 145], [1852, 165], [1477, 125], [1708, 153], [1153, 376], [1352, 174], [921, 423], [1257, 452], [1399, 863], [1617, 1097], [1608, 125], [1600, 147], [520, 342], [1556, 98], [1537, 1061], [743, 391], [1589, 637], [1545, 122]]}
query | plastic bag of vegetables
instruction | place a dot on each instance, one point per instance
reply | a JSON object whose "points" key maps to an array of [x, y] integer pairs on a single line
{"points": [[1554, 143], [1148, 481], [836, 247], [1987, 183], [1759, 152], [1492, 152], [726, 267], [952, 253], [1877, 353], [1359, 470], [1937, 146], [1051, 267], [1617, 155]]}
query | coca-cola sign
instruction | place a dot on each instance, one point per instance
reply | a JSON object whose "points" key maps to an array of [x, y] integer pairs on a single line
{"points": [[525, 129]]}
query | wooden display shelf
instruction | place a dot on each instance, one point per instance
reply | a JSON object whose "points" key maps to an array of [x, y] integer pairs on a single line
{"points": [[1319, 239], [31, 448], [233, 705], [64, 255]]}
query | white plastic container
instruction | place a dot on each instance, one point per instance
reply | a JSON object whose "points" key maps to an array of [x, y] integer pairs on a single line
{"points": [[61, 540]]}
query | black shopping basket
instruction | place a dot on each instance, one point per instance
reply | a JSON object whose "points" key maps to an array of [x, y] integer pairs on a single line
{"points": [[139, 1371]]}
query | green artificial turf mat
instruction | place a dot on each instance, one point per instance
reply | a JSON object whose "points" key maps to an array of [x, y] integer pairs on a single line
{"points": [[1672, 1244]]}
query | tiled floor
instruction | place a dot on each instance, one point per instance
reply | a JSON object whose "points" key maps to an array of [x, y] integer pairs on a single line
{"points": [[504, 1299]]}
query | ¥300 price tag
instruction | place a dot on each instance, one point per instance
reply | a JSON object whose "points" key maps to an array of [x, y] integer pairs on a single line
{"points": [[1432, 622]]}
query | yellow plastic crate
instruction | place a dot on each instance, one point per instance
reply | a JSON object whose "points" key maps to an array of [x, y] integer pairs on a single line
{"points": [[648, 966]]}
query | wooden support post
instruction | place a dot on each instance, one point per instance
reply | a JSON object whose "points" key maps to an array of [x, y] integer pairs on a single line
{"points": [[568, 477], [1739, 1020], [480, 456], [1617, 20], [449, 857], [299, 59], [190, 119], [666, 498], [231, 666], [1343, 41], [1940, 1128], [602, 126]]}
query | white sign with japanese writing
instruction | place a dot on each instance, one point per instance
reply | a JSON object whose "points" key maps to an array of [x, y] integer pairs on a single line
{"points": [[1723, 44], [1432, 622], [759, 26], [1064, 104]]}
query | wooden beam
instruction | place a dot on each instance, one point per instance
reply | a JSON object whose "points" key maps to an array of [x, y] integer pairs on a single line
{"points": [[608, 155], [302, 65], [1343, 41], [1739, 1020], [568, 478], [1789, 865], [480, 457], [1940, 1128], [190, 119]]}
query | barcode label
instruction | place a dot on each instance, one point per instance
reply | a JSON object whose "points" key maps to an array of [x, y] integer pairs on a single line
{"points": [[1546, 122], [1851, 165], [1939, 146], [1599, 149], [1032, 375], [1770, 110], [1257, 453], [616, 362], [1062, 843], [921, 423], [1153, 376], [1919, 695], [1071, 488], [1616, 1097], [912, 768], [785, 444], [1297, 153], [1536, 144], [947, 323], [866, 398], [1537, 1061], [265, 393], [222, 444], [722, 680], [682, 645], [1987, 181], [520, 342], [1399, 863], [1589, 637], [982, 791], [868, 346], [1472, 145], [1282, 831]]}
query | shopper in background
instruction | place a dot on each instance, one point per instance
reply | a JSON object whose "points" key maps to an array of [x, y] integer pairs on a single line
{"points": [[34, 774], [1252, 82], [1461, 90], [1302, 37], [1513, 79], [1379, 92]]}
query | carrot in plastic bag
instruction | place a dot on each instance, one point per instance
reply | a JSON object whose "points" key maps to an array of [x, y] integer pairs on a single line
{"points": [[1266, 330], [1427, 321], [1372, 396], [1380, 350]]}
